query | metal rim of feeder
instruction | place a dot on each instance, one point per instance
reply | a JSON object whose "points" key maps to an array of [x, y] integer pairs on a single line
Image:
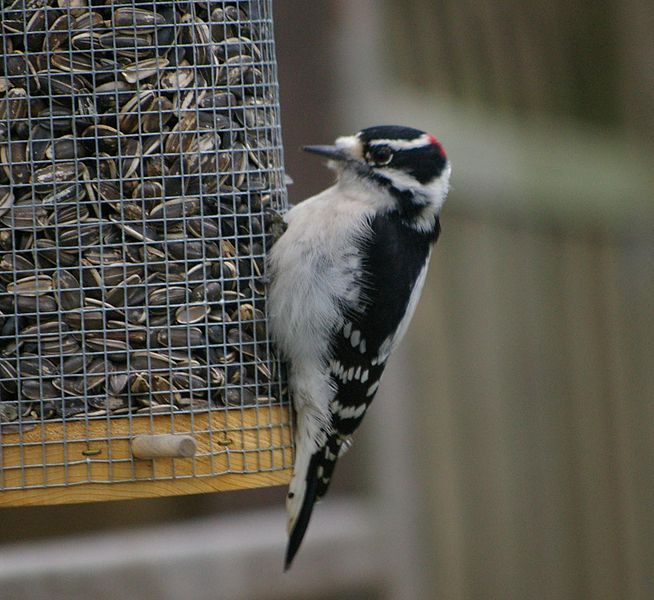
{"points": [[140, 171]]}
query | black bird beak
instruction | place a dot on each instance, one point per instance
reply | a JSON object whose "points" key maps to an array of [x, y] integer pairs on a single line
{"points": [[331, 152]]}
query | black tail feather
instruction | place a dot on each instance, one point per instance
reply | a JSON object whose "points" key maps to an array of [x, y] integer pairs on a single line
{"points": [[319, 473], [299, 529]]}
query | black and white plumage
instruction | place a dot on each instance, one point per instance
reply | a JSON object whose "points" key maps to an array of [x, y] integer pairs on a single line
{"points": [[345, 278]]}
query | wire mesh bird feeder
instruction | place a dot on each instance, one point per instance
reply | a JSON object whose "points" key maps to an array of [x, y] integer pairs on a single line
{"points": [[141, 172]]}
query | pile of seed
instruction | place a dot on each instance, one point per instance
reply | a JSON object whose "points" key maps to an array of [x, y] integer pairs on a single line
{"points": [[139, 165]]}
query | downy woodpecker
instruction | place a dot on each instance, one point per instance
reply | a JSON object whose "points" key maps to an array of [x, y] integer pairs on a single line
{"points": [[345, 278]]}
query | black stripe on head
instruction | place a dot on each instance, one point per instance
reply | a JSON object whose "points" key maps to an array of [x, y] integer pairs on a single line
{"points": [[389, 132], [424, 163], [410, 150]]}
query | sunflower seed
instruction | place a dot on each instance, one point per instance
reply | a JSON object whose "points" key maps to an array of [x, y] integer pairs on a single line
{"points": [[130, 189]]}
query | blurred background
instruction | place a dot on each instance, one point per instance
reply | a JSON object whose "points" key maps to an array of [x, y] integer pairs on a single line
{"points": [[510, 452]]}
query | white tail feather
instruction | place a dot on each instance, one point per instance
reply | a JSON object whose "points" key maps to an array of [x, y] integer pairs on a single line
{"points": [[298, 486]]}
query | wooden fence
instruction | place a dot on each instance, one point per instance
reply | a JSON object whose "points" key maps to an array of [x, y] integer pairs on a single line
{"points": [[530, 366]]}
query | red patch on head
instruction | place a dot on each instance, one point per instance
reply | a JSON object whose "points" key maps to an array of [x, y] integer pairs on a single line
{"points": [[434, 142]]}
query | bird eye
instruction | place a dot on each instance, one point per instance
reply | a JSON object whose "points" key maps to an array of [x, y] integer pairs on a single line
{"points": [[380, 156]]}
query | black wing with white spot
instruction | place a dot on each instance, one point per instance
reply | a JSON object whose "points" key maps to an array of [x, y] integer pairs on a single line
{"points": [[393, 257]]}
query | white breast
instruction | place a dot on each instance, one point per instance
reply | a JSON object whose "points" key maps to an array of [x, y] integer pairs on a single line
{"points": [[314, 268]]}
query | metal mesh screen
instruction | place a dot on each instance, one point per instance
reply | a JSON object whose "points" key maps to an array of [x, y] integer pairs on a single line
{"points": [[140, 175]]}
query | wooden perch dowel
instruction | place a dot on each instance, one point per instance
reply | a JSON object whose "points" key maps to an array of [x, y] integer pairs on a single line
{"points": [[166, 445]]}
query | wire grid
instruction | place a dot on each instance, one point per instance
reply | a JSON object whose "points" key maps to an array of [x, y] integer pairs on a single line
{"points": [[140, 175]]}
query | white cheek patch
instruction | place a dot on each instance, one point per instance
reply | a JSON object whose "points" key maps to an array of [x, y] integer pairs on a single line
{"points": [[432, 195], [399, 178], [439, 188]]}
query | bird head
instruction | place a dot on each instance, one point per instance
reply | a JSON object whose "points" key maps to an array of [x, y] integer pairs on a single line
{"points": [[407, 164]]}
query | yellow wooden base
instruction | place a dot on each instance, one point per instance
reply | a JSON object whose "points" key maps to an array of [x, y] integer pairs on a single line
{"points": [[236, 449]]}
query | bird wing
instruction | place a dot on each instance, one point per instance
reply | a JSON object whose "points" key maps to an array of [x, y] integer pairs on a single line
{"points": [[393, 264]]}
